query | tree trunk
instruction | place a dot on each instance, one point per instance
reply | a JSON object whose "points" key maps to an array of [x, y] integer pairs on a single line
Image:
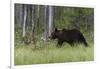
{"points": [[33, 24], [50, 21], [21, 15], [24, 22], [45, 24]]}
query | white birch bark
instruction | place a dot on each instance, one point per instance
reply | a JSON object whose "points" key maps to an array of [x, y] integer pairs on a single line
{"points": [[50, 21], [24, 22]]}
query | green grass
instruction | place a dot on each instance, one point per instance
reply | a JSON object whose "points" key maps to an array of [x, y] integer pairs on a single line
{"points": [[49, 53]]}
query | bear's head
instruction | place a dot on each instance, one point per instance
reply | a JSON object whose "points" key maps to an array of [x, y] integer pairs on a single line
{"points": [[54, 34]]}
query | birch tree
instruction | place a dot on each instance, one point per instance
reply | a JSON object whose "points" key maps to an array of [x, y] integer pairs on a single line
{"points": [[50, 20], [33, 23], [45, 23], [24, 21], [21, 14]]}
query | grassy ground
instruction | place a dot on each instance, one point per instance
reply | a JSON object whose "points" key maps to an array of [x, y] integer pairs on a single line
{"points": [[49, 53]]}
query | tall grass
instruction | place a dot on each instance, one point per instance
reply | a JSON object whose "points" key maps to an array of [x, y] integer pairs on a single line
{"points": [[49, 53]]}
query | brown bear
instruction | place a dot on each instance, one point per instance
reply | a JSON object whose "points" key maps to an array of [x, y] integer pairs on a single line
{"points": [[70, 36]]}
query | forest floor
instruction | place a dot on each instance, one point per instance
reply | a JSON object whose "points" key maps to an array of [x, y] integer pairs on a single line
{"points": [[48, 53]]}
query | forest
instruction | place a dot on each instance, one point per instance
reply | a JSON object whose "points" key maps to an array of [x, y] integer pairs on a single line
{"points": [[33, 24]]}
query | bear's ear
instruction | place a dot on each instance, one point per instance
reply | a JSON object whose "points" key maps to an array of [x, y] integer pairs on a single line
{"points": [[56, 29]]}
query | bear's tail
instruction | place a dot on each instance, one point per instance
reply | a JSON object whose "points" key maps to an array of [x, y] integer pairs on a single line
{"points": [[84, 41]]}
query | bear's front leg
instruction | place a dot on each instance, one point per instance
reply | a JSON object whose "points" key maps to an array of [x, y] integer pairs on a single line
{"points": [[59, 44]]}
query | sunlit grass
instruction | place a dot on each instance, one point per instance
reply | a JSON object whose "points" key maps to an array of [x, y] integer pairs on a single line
{"points": [[49, 53]]}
